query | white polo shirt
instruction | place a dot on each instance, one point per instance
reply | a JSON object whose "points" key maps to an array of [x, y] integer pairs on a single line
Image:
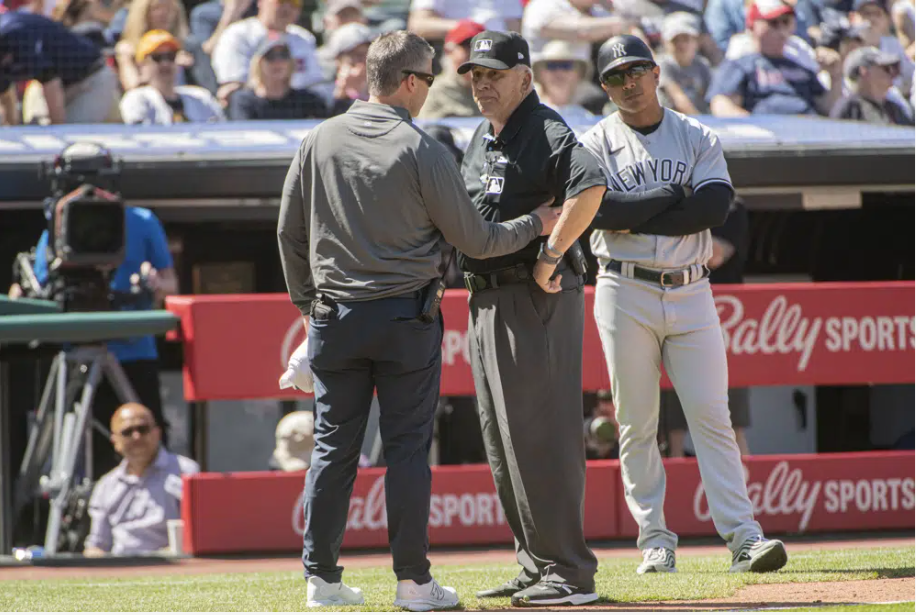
{"points": [[492, 14], [238, 43]]}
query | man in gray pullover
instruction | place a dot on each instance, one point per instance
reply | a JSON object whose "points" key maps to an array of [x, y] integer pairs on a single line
{"points": [[368, 200]]}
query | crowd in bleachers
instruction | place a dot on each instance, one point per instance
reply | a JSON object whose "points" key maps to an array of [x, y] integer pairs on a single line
{"points": [[164, 61]]}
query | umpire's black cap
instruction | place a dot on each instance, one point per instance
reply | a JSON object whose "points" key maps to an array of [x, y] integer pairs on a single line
{"points": [[497, 50], [622, 50]]}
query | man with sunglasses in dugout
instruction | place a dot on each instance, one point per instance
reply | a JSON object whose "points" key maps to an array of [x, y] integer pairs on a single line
{"points": [[526, 324], [160, 101], [130, 506], [770, 80], [368, 203], [653, 303]]}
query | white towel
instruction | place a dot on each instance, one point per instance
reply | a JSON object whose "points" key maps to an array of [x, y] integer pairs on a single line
{"points": [[298, 374]]}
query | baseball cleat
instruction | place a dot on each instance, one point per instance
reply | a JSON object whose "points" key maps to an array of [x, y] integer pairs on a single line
{"points": [[658, 559], [551, 593], [506, 590], [757, 554], [427, 597], [322, 594]]}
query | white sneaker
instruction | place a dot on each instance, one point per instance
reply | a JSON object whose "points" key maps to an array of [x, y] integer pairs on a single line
{"points": [[658, 559], [757, 554], [321, 594], [428, 597]]}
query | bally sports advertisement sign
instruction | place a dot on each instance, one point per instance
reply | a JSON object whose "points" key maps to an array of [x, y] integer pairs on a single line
{"points": [[791, 494], [775, 334]]}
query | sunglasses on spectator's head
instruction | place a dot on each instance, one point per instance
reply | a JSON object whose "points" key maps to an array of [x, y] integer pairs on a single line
{"points": [[165, 56], [783, 21], [295, 3], [279, 53], [619, 77], [560, 64], [128, 432], [429, 79]]}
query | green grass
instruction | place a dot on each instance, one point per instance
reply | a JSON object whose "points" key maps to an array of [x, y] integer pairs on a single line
{"points": [[698, 578], [880, 608]]}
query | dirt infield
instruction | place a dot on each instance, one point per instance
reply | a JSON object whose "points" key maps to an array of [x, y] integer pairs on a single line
{"points": [[750, 597]]}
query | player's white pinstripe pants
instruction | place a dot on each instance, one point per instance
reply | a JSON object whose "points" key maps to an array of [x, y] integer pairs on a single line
{"points": [[641, 324]]}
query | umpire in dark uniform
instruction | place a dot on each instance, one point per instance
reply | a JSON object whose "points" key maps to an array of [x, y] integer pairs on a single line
{"points": [[526, 323], [367, 201]]}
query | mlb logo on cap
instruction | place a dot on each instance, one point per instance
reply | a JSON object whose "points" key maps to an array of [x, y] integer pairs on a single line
{"points": [[483, 44], [497, 51]]}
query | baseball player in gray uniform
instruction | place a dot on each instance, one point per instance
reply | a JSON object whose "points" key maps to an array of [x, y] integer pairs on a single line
{"points": [[668, 184]]}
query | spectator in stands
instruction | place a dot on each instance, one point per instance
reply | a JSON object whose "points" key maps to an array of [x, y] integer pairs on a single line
{"points": [[559, 72], [74, 84], [903, 14], [341, 12], [338, 13], [434, 19], [142, 17], [269, 95], [726, 18], [87, 18], [208, 21], [685, 75], [295, 438], [871, 75], [769, 80], [581, 22], [875, 20], [451, 95], [238, 43], [131, 505], [162, 101], [350, 44]]}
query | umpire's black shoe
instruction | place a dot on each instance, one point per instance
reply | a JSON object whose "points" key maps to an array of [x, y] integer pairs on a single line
{"points": [[551, 593], [509, 588]]}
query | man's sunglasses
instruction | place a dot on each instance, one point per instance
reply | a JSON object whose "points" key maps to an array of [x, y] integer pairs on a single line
{"points": [[783, 21], [281, 53], [891, 69], [128, 432], [168, 56], [619, 77], [560, 64], [429, 79]]}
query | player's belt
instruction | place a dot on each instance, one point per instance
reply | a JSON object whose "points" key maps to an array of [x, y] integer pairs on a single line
{"points": [[476, 282], [665, 279]]}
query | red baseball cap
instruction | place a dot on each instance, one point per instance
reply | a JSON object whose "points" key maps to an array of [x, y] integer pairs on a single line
{"points": [[767, 10], [464, 31]]}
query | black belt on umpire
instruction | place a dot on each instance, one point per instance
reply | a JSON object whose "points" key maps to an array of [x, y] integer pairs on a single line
{"points": [[476, 282], [665, 279]]}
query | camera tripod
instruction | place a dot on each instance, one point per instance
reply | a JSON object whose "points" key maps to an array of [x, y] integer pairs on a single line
{"points": [[60, 428]]}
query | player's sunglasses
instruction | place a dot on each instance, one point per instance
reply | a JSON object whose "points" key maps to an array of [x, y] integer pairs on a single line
{"points": [[560, 64], [128, 432], [166, 56], [618, 78], [280, 53], [429, 79]]}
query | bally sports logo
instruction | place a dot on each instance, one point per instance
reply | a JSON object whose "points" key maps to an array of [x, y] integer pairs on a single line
{"points": [[786, 492], [784, 329], [480, 509]]}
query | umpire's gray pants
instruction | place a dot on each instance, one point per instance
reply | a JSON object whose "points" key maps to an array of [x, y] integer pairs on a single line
{"points": [[526, 356]]}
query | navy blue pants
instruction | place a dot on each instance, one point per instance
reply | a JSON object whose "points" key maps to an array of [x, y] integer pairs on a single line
{"points": [[357, 348]]}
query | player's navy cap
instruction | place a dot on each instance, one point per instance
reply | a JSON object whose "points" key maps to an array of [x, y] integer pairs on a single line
{"points": [[622, 50], [497, 50]]}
